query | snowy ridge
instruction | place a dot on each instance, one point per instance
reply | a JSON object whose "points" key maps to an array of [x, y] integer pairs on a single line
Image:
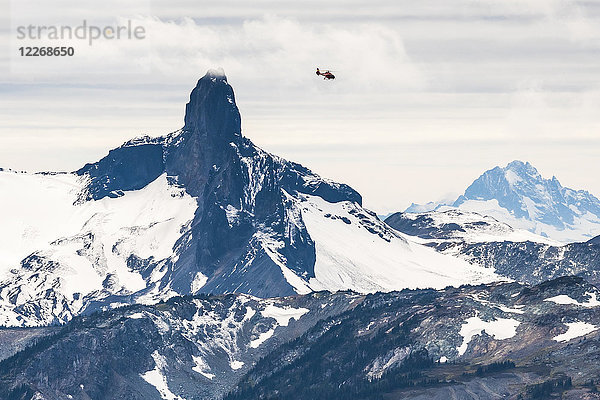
{"points": [[455, 225]]}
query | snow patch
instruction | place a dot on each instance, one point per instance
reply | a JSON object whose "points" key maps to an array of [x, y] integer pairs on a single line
{"points": [[236, 364], [157, 378], [500, 329], [564, 299], [510, 310], [199, 280], [262, 338], [283, 315], [232, 215], [202, 367], [575, 330]]}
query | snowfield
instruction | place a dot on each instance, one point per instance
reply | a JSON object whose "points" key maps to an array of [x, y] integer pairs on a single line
{"points": [[40, 210], [81, 248], [575, 330], [500, 329], [351, 256], [35, 210], [564, 299]]}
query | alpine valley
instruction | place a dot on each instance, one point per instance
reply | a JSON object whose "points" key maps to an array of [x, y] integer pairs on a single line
{"points": [[196, 265]]}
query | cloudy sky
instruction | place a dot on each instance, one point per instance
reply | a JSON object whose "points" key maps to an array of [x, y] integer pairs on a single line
{"points": [[428, 95]]}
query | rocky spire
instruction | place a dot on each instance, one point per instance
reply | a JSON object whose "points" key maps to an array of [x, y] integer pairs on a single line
{"points": [[211, 111]]}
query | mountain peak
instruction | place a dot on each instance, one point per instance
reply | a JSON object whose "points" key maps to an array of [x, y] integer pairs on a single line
{"points": [[212, 109], [517, 164], [522, 169]]}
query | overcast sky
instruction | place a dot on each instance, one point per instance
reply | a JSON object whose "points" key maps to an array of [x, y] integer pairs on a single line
{"points": [[428, 95]]}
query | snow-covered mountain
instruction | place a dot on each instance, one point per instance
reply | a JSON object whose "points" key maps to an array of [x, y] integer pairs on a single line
{"points": [[520, 197], [200, 210]]}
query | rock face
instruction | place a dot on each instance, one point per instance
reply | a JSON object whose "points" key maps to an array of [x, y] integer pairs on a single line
{"points": [[125, 168], [497, 340]]}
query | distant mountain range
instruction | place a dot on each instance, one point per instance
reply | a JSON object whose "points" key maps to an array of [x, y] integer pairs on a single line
{"points": [[518, 196]]}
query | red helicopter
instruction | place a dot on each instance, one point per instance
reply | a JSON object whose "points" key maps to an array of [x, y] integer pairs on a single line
{"points": [[326, 74]]}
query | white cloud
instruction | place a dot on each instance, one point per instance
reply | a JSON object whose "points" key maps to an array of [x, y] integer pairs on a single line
{"points": [[279, 52]]}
